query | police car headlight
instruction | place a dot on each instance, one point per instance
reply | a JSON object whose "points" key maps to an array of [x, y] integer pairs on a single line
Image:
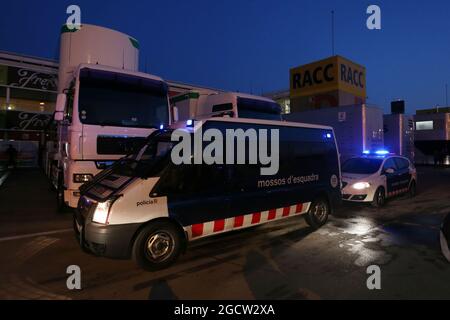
{"points": [[101, 212], [361, 185], [82, 177]]}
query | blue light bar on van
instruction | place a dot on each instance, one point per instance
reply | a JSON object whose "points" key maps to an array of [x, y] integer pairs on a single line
{"points": [[161, 127], [380, 152], [189, 123]]}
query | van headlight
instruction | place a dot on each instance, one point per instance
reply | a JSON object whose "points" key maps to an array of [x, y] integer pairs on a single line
{"points": [[361, 185], [101, 212]]}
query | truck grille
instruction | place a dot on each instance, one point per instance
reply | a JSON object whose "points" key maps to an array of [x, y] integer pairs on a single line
{"points": [[110, 145]]}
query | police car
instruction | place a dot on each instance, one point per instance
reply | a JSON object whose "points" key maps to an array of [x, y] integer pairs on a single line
{"points": [[149, 207], [375, 177]]}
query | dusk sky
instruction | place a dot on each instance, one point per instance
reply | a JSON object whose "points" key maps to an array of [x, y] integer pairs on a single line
{"points": [[249, 46]]}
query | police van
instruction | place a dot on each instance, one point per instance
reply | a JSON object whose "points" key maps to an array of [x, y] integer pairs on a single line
{"points": [[376, 176], [147, 207]]}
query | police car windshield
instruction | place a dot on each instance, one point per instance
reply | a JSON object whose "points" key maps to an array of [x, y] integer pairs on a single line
{"points": [[362, 165]]}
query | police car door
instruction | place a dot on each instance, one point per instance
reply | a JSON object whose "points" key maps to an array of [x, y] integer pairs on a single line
{"points": [[391, 178], [404, 176]]}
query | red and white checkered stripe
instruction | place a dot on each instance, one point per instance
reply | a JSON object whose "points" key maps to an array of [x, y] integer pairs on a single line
{"points": [[397, 192], [204, 229]]}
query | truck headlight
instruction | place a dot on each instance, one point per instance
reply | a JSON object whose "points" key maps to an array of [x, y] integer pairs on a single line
{"points": [[82, 177], [101, 212], [361, 185]]}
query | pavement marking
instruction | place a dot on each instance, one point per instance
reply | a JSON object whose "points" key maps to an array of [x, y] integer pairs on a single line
{"points": [[3, 178], [34, 247], [31, 235]]}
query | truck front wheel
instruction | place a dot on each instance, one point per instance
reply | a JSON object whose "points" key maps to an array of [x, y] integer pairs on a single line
{"points": [[157, 246], [60, 203]]}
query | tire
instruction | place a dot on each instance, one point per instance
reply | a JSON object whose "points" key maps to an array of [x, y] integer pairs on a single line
{"points": [[165, 237], [60, 203], [318, 213], [412, 191], [379, 199]]}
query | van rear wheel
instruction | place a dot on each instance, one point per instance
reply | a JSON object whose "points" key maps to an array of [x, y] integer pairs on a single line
{"points": [[318, 213], [157, 246]]}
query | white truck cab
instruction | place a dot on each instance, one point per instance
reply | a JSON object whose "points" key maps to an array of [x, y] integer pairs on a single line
{"points": [[105, 107]]}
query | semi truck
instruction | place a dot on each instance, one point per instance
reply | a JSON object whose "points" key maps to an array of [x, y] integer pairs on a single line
{"points": [[105, 107], [358, 128], [196, 104]]}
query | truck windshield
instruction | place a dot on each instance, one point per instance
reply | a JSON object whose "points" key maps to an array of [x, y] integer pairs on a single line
{"points": [[112, 99], [258, 109], [362, 165]]}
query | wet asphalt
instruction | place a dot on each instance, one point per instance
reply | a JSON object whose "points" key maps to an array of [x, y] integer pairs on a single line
{"points": [[280, 260]]}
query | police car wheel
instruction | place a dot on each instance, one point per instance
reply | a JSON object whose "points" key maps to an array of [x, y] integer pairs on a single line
{"points": [[412, 189], [318, 213], [379, 199], [157, 246]]}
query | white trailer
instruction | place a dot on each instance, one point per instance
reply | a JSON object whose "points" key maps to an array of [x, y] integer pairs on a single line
{"points": [[198, 104], [358, 128], [105, 107]]}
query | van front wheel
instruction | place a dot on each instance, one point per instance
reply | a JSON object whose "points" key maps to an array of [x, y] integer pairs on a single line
{"points": [[318, 213], [157, 246]]}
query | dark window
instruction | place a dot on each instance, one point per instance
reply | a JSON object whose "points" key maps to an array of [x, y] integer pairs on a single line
{"points": [[69, 101], [401, 163], [222, 107], [112, 99], [361, 165], [185, 179], [390, 164], [258, 109]]}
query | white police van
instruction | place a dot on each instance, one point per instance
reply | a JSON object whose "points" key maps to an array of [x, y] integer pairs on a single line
{"points": [[147, 207], [374, 177]]}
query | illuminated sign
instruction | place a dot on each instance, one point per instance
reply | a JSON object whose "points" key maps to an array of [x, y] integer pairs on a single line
{"points": [[335, 73]]}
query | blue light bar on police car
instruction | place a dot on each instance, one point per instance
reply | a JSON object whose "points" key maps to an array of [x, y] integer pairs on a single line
{"points": [[189, 123]]}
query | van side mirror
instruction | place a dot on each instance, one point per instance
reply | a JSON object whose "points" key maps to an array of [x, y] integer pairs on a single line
{"points": [[175, 114], [60, 106], [389, 171]]}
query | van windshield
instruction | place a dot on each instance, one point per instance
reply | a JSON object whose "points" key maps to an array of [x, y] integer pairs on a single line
{"points": [[149, 161], [362, 165]]}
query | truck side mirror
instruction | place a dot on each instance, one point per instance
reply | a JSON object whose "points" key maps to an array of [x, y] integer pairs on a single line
{"points": [[175, 114], [60, 106]]}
